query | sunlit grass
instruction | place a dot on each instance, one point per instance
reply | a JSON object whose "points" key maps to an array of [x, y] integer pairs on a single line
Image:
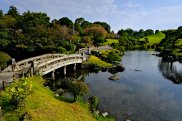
{"points": [[110, 41], [154, 39], [98, 62], [41, 105]]}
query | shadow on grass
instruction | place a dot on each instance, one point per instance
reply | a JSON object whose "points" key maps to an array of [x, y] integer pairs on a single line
{"points": [[66, 99]]}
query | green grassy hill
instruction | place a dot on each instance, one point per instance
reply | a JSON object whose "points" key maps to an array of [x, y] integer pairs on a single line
{"points": [[98, 62], [154, 39], [41, 105], [110, 41], [179, 42]]}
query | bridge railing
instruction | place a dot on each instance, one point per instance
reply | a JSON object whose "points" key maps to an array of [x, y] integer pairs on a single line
{"points": [[56, 63], [43, 60], [61, 59], [27, 62], [39, 58]]}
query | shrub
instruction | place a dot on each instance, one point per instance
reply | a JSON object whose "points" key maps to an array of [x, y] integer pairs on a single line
{"points": [[4, 58], [18, 91], [61, 50], [112, 57], [78, 88], [94, 101]]}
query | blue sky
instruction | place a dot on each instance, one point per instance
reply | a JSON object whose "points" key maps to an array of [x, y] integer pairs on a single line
{"points": [[135, 14]]}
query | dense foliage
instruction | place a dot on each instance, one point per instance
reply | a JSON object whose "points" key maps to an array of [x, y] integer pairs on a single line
{"points": [[173, 37], [131, 38], [14, 96], [32, 33], [4, 59], [94, 102], [78, 88]]}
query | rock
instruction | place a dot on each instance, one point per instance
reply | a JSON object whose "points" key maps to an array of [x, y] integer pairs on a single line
{"points": [[57, 95], [120, 67], [104, 114], [104, 69], [137, 70], [97, 112], [60, 91], [114, 77], [113, 70]]}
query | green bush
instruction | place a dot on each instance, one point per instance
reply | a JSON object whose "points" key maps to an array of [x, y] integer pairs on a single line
{"points": [[61, 50], [112, 57], [18, 91], [4, 58], [94, 101], [78, 88]]}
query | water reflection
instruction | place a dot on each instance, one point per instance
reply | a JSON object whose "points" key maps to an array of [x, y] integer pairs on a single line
{"points": [[171, 70], [139, 95]]}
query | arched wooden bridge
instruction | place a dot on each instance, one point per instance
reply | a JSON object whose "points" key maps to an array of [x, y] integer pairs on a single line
{"points": [[44, 64]]}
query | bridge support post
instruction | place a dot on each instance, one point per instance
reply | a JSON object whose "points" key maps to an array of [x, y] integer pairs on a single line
{"points": [[64, 70], [53, 75], [13, 63], [31, 71], [3, 84], [23, 74], [74, 67], [83, 57]]}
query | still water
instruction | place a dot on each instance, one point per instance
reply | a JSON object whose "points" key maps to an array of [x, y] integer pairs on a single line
{"points": [[144, 91], [148, 90]]}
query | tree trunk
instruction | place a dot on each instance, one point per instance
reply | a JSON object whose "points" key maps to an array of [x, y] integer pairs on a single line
{"points": [[75, 97], [173, 44]]}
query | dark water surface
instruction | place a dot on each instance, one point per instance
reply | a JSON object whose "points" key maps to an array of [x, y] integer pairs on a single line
{"points": [[144, 91]]}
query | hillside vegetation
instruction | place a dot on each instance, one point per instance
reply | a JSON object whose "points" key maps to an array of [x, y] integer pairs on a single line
{"points": [[110, 41], [98, 62], [41, 105], [155, 38], [4, 58]]}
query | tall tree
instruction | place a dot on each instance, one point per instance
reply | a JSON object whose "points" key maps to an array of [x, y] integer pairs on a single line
{"points": [[32, 19], [97, 33], [150, 31], [79, 20], [85, 24], [104, 25], [1, 13], [13, 11], [78, 88], [78, 23], [66, 21], [172, 36]]}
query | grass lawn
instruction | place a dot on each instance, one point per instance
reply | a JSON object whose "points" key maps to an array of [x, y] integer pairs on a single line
{"points": [[96, 61], [179, 42], [110, 41], [154, 39], [41, 105]]}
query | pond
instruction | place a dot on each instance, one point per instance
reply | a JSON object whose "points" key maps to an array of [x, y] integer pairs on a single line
{"points": [[149, 89]]}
